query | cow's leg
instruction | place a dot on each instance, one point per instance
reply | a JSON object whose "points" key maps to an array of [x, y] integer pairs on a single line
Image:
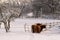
{"points": [[33, 28], [38, 29]]}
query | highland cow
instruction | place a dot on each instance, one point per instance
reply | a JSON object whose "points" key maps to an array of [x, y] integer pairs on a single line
{"points": [[37, 28]]}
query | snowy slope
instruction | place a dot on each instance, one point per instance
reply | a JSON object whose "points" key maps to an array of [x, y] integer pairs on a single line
{"points": [[17, 31]]}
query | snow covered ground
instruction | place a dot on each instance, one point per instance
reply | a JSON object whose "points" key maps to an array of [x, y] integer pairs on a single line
{"points": [[17, 31]]}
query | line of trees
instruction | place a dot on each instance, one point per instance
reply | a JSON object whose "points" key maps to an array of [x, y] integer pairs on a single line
{"points": [[48, 6]]}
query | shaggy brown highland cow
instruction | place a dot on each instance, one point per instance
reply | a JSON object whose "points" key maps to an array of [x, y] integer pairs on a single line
{"points": [[37, 28]]}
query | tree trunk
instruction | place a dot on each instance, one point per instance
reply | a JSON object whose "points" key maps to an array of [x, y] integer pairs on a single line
{"points": [[6, 27], [8, 24], [0, 25]]}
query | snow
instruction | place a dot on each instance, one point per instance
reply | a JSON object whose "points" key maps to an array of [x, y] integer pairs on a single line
{"points": [[17, 31], [30, 14]]}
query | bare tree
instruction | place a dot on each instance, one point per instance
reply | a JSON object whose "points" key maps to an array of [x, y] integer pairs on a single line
{"points": [[12, 9]]}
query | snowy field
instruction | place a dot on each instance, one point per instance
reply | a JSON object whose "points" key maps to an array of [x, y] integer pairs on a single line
{"points": [[17, 31]]}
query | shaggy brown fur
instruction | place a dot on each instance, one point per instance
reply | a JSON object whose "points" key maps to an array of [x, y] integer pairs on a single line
{"points": [[37, 28]]}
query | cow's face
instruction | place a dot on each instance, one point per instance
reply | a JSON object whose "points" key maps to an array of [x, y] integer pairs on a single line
{"points": [[43, 26]]}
